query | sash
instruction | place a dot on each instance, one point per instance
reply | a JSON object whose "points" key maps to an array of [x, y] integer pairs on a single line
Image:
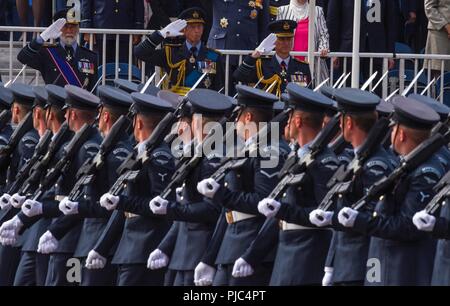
{"points": [[64, 68], [193, 77]]}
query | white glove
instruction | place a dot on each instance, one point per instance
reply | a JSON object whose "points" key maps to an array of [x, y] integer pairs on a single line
{"points": [[10, 230], [269, 207], [95, 261], [347, 216], [32, 208], [204, 274], [5, 201], [179, 194], [109, 201], [320, 218], [17, 200], [54, 30], [47, 243], [242, 268], [268, 44], [208, 187], [158, 205], [173, 29], [424, 221], [157, 260], [68, 207], [326, 280]]}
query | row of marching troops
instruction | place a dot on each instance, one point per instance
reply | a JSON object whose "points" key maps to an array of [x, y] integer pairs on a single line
{"points": [[353, 193]]}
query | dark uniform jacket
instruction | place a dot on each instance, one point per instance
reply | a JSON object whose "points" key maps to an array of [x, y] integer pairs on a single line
{"points": [[182, 68], [58, 68], [252, 70]]}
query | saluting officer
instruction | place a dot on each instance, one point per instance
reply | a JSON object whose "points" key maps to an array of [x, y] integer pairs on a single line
{"points": [[114, 103], [405, 254], [187, 63], [65, 62], [143, 230], [276, 71], [243, 188], [348, 252], [301, 247], [183, 246]]}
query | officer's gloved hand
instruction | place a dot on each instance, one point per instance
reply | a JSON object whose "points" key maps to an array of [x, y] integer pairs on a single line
{"points": [[347, 216], [9, 231], [17, 200], [32, 208], [5, 201], [208, 187], [204, 274], [158, 205], [54, 30], [269, 207], [109, 201], [68, 207], [424, 221], [242, 268], [326, 280], [95, 261], [174, 28], [47, 243], [267, 45], [320, 218], [157, 260], [179, 194]]}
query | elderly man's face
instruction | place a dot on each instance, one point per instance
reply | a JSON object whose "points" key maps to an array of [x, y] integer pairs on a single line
{"points": [[194, 32], [69, 33]]}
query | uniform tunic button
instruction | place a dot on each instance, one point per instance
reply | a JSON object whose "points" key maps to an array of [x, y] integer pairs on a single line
{"points": [[238, 22], [239, 10], [116, 10], [237, 35]]}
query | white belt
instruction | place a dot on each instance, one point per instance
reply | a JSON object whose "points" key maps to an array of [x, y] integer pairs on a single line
{"points": [[236, 216], [284, 226]]}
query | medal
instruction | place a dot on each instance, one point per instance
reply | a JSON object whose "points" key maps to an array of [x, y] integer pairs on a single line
{"points": [[224, 23], [68, 57], [253, 14], [207, 82], [192, 60], [252, 4]]}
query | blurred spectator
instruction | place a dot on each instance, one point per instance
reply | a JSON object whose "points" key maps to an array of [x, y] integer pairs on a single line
{"points": [[107, 14], [324, 5], [298, 11], [379, 23], [238, 25], [438, 42], [3, 7], [274, 5], [38, 7], [160, 13], [413, 24]]}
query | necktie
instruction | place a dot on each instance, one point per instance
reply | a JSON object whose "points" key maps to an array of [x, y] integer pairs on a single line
{"points": [[69, 51], [283, 65], [193, 55]]}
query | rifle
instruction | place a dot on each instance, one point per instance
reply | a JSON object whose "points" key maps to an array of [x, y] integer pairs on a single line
{"points": [[63, 164], [24, 172], [132, 167], [5, 153], [186, 166], [338, 145], [92, 166], [443, 186], [411, 161], [5, 117], [293, 171], [341, 181], [229, 163], [43, 162]]}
